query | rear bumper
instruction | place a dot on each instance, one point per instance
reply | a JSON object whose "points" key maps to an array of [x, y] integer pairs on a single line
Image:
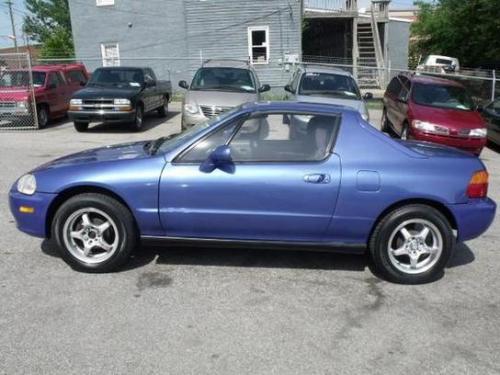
{"points": [[473, 145], [101, 116], [473, 218], [34, 223]]}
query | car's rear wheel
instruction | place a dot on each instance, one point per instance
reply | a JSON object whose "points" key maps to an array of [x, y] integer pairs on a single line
{"points": [[81, 126], [136, 125], [412, 244], [94, 232], [163, 110]]}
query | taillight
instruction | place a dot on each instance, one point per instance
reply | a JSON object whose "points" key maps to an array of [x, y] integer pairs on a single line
{"points": [[478, 185]]}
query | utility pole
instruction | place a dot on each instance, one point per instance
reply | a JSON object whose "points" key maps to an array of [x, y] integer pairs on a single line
{"points": [[9, 4]]}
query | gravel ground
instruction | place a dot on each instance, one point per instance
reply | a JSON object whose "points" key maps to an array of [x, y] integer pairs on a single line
{"points": [[199, 311]]}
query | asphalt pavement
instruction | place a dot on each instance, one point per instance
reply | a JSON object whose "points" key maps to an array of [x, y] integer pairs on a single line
{"points": [[210, 311]]}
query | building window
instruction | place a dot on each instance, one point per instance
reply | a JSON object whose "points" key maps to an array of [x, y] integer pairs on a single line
{"points": [[103, 3], [110, 54], [258, 44]]}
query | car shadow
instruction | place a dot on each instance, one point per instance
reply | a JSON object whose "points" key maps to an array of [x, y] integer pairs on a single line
{"points": [[253, 258], [151, 121], [493, 147]]}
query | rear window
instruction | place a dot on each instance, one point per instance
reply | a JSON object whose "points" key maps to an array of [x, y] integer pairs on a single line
{"points": [[444, 61], [117, 77], [442, 96]]}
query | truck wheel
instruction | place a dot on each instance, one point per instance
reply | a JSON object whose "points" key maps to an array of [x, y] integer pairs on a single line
{"points": [[81, 126], [136, 125], [43, 116], [94, 232], [412, 244], [163, 110]]}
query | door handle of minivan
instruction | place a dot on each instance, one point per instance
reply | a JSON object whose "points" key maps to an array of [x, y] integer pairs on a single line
{"points": [[317, 178]]}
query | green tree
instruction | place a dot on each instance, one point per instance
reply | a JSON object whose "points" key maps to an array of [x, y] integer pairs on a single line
{"points": [[50, 24], [466, 29]]}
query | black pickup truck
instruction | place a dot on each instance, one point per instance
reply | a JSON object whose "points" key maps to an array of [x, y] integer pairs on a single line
{"points": [[119, 94]]}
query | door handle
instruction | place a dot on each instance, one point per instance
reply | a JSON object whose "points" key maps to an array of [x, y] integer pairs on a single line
{"points": [[317, 178]]}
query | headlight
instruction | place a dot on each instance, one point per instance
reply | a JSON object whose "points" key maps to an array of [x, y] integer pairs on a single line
{"points": [[121, 102], [76, 102], [27, 184], [21, 105], [429, 127], [191, 108], [478, 133]]}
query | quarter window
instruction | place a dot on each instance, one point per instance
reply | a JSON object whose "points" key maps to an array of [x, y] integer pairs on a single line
{"points": [[258, 44], [110, 54]]}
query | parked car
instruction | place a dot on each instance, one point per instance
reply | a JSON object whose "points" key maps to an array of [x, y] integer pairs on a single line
{"points": [[218, 86], [53, 86], [491, 114], [342, 186], [439, 64], [120, 94], [323, 84], [435, 110]]}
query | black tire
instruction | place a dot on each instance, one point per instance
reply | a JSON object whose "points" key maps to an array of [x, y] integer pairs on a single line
{"points": [[385, 126], [43, 115], [163, 110], [81, 126], [136, 125], [120, 216], [381, 237]]}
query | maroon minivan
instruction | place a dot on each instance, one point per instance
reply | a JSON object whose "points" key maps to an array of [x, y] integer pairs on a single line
{"points": [[433, 109]]}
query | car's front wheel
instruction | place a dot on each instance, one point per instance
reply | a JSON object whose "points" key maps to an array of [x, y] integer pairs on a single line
{"points": [[412, 244], [81, 126], [94, 232], [163, 110], [136, 125]]}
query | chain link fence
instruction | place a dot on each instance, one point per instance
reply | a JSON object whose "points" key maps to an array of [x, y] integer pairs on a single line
{"points": [[18, 108]]}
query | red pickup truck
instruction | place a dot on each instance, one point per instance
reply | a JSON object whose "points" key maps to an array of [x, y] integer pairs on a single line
{"points": [[53, 87]]}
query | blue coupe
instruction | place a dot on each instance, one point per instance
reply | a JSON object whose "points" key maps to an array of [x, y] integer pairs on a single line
{"points": [[290, 175]]}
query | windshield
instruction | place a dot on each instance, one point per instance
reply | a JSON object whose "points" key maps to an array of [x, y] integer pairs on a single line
{"points": [[335, 85], [117, 77], [223, 79], [442, 96], [21, 79], [169, 143]]}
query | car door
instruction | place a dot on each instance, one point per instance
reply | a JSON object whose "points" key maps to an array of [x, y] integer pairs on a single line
{"points": [[155, 95], [275, 188], [390, 101], [56, 93]]}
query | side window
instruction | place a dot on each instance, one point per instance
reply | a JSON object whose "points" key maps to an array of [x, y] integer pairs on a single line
{"points": [[199, 153], [284, 137], [394, 87], [53, 80], [405, 88], [76, 76], [295, 80], [150, 72]]}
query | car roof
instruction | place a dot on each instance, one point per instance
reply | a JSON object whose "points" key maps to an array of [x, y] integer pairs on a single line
{"points": [[320, 68], [226, 63], [293, 106], [123, 68], [429, 80], [56, 67]]}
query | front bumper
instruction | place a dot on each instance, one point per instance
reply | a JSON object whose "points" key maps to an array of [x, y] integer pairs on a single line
{"points": [[33, 223], [473, 218], [101, 116], [189, 119], [473, 145]]}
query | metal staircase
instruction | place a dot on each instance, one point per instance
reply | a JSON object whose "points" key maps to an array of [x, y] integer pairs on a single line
{"points": [[367, 57]]}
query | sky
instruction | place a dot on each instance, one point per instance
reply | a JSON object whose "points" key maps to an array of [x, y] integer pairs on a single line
{"points": [[18, 5], [5, 27]]}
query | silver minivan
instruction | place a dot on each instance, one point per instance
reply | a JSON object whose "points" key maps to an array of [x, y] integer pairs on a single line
{"points": [[330, 85], [218, 86]]}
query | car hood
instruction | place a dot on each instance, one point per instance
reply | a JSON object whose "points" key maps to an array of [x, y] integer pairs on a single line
{"points": [[355, 104], [106, 93], [451, 118], [16, 94], [125, 151], [219, 98]]}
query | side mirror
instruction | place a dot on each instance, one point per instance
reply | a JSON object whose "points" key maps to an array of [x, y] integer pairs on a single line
{"points": [[289, 89], [368, 96], [480, 108], [83, 83], [183, 84], [264, 88], [218, 158]]}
